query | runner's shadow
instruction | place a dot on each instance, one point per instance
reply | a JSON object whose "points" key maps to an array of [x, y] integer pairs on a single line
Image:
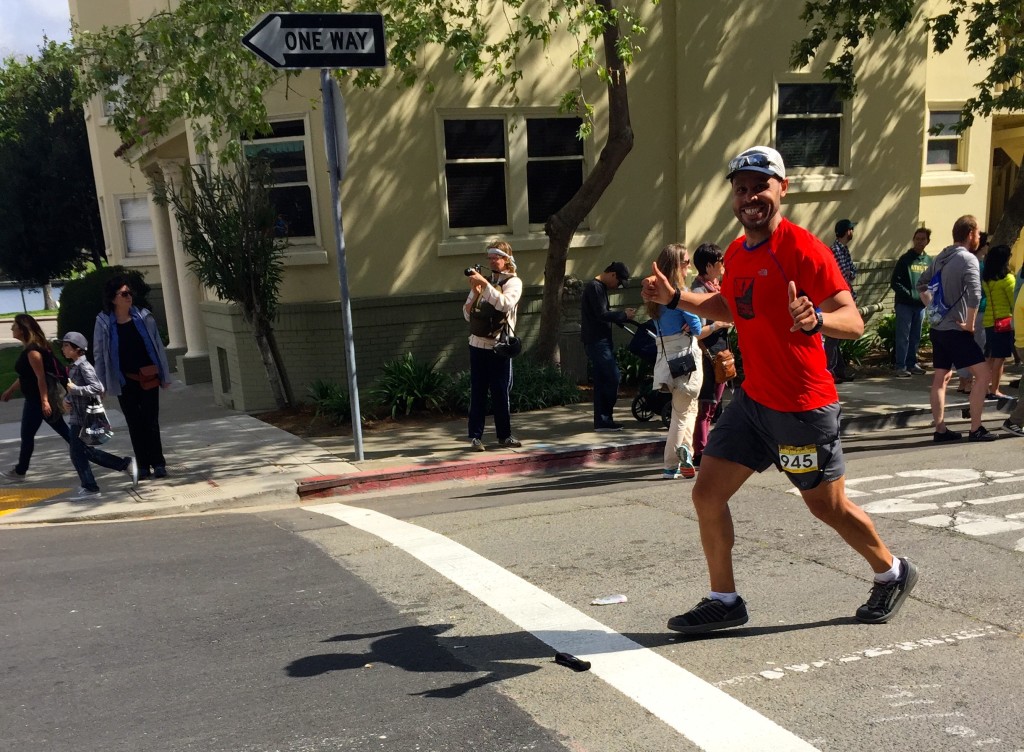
{"points": [[419, 649]]}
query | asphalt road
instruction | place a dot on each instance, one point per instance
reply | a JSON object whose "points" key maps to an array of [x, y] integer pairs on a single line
{"points": [[428, 620]]}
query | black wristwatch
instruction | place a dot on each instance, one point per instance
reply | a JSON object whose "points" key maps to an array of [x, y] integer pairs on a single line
{"points": [[817, 327], [674, 302]]}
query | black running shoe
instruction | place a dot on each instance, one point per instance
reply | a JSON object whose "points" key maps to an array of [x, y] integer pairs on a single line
{"points": [[887, 597], [982, 434], [947, 435], [709, 615]]}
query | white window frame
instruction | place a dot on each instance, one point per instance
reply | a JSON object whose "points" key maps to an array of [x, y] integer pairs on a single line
{"points": [[961, 139], [127, 221], [523, 234], [108, 108], [301, 240], [820, 178]]}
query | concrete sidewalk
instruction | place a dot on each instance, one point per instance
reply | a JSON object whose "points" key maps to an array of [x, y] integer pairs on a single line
{"points": [[219, 458]]}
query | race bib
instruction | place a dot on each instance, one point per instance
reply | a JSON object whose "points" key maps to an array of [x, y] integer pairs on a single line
{"points": [[798, 459]]}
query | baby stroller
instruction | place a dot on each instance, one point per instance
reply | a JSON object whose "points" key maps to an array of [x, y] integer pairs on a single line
{"points": [[648, 401]]}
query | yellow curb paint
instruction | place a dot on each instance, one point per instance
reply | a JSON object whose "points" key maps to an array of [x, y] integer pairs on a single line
{"points": [[13, 499]]}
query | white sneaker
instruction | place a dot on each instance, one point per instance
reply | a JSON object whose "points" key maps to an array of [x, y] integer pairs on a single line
{"points": [[12, 476], [132, 471], [85, 493]]}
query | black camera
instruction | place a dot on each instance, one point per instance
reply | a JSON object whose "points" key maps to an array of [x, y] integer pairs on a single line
{"points": [[470, 270]]}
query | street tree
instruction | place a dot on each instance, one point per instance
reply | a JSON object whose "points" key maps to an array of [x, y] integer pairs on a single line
{"points": [[186, 63], [49, 216], [227, 226], [993, 36]]}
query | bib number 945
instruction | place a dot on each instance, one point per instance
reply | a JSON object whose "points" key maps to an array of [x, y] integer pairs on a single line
{"points": [[798, 459]]}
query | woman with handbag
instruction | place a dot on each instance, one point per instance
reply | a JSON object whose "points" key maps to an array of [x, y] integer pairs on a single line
{"points": [[677, 368], [37, 370], [490, 308], [997, 282], [714, 343], [131, 363]]}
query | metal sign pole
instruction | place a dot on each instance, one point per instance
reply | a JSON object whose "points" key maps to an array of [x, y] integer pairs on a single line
{"points": [[336, 137]]}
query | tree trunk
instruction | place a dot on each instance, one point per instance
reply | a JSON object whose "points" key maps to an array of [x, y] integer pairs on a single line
{"points": [[561, 225], [48, 302], [266, 344], [282, 372], [1008, 229]]}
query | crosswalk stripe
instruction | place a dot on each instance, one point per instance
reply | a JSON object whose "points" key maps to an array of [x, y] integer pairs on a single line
{"points": [[704, 714]]}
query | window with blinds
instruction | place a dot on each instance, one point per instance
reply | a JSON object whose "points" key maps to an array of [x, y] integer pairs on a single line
{"points": [[809, 125], [492, 162], [137, 227]]}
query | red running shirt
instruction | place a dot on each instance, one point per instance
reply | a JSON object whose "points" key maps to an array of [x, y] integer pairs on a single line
{"points": [[783, 370]]}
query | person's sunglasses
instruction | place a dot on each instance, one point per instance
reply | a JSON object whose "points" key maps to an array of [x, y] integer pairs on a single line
{"points": [[749, 160], [685, 262], [124, 293]]}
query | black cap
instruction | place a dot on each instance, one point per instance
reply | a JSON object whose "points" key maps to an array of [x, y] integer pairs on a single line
{"points": [[621, 271], [843, 226]]}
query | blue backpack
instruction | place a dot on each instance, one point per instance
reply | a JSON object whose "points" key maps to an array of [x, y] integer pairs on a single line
{"points": [[938, 309]]}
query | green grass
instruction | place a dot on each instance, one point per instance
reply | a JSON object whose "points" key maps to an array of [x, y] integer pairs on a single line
{"points": [[35, 314], [8, 356]]}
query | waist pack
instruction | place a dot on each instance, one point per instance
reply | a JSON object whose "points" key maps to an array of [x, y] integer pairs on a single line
{"points": [[148, 377]]}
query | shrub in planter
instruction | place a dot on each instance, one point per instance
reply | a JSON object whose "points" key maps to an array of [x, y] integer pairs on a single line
{"points": [[407, 385], [536, 386], [330, 401], [634, 370]]}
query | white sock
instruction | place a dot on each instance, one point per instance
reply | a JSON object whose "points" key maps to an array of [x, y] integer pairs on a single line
{"points": [[893, 574], [729, 599]]}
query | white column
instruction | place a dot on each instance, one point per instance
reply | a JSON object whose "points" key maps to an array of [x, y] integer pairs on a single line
{"points": [[168, 274], [189, 291]]}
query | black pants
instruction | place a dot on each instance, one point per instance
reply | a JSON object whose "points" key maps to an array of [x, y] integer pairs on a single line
{"points": [[141, 408]]}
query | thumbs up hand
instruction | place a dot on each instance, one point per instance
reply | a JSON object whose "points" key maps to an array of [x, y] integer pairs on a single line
{"points": [[801, 309]]}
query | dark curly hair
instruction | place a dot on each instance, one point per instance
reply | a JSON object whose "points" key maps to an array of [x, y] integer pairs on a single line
{"points": [[110, 289]]}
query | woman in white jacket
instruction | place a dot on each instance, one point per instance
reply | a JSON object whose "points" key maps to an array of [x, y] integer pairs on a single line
{"points": [[491, 303]]}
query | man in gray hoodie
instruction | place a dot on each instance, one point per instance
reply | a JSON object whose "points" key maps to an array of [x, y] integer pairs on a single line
{"points": [[952, 326]]}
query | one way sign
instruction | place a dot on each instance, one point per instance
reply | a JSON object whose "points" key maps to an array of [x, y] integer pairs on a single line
{"points": [[319, 40]]}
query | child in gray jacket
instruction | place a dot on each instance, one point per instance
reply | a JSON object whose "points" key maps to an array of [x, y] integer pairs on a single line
{"points": [[83, 387]]}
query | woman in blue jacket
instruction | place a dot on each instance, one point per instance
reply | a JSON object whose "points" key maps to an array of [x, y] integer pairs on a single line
{"points": [[677, 335], [131, 362]]}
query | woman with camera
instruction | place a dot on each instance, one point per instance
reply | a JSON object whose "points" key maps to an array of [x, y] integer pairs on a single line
{"points": [[490, 306], [678, 365]]}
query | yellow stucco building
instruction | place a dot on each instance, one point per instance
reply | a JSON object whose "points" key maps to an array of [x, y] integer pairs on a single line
{"points": [[433, 174]]}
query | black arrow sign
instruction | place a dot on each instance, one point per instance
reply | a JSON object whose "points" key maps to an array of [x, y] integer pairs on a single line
{"points": [[319, 40]]}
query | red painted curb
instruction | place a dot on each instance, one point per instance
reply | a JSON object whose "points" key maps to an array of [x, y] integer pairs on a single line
{"points": [[475, 467]]}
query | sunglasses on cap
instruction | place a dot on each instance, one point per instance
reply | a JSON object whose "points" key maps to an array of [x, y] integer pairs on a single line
{"points": [[749, 160]]}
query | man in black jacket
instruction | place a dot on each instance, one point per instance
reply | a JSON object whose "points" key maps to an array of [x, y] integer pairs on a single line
{"points": [[596, 333], [908, 305]]}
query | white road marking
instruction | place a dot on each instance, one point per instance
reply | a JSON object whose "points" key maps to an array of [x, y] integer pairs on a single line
{"points": [[869, 653], [685, 702], [996, 500]]}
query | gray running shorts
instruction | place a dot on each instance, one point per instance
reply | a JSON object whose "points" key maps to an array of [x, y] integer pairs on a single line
{"points": [[804, 445]]}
